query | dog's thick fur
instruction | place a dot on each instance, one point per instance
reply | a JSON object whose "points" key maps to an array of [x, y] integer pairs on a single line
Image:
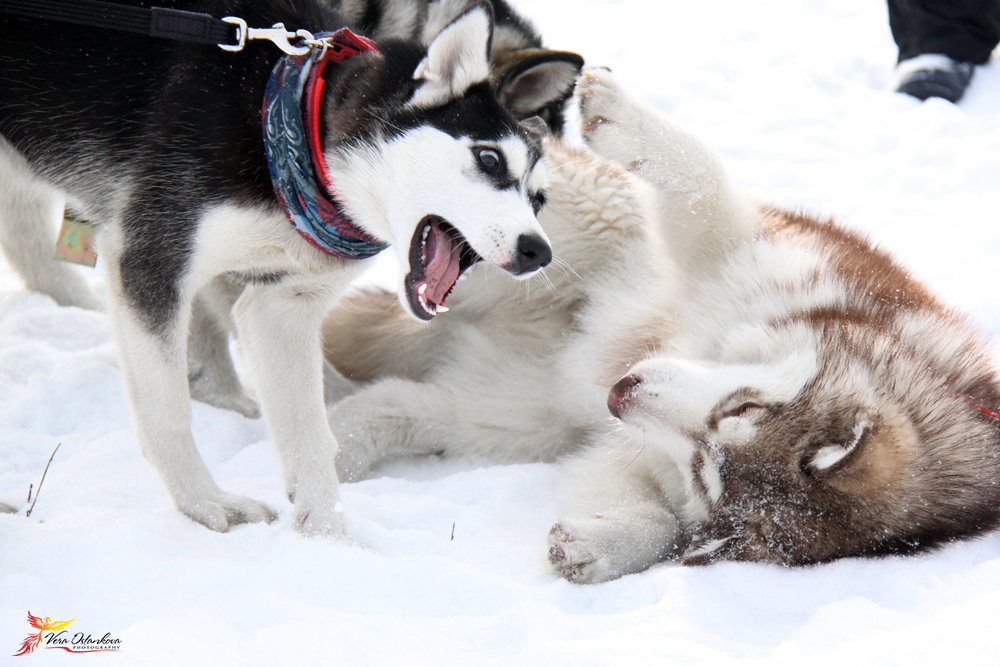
{"points": [[161, 142], [790, 393]]}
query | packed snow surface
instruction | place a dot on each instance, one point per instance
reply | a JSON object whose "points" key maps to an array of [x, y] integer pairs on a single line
{"points": [[450, 568]]}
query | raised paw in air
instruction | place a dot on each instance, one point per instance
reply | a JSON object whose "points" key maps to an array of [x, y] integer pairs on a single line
{"points": [[598, 96], [611, 122]]}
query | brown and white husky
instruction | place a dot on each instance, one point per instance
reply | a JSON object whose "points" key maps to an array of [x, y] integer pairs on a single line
{"points": [[784, 391]]}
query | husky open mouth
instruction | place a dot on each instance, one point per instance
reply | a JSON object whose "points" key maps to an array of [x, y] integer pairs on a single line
{"points": [[439, 254]]}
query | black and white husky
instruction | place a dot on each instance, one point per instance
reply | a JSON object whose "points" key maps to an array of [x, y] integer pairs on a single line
{"points": [[530, 81], [161, 141], [782, 390]]}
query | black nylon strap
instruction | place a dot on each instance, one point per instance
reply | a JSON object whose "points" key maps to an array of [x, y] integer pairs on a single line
{"points": [[150, 21], [189, 26]]}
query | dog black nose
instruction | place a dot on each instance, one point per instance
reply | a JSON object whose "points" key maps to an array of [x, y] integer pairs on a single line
{"points": [[621, 395], [532, 254]]}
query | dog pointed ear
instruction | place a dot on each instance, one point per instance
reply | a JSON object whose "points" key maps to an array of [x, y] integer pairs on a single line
{"points": [[846, 456], [532, 81], [536, 130], [457, 58]]}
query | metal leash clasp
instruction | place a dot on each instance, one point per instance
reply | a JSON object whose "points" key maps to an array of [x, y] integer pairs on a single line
{"points": [[276, 34]]}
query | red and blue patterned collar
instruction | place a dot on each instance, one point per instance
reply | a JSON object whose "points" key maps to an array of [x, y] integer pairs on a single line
{"points": [[291, 121]]}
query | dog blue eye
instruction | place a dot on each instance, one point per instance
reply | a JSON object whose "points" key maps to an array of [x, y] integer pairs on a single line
{"points": [[489, 159]]}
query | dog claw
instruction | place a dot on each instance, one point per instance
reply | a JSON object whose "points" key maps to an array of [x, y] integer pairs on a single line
{"points": [[236, 516], [588, 72], [591, 126], [321, 522], [227, 510], [559, 533]]}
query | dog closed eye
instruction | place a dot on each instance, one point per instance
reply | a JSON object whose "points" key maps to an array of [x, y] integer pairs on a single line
{"points": [[741, 409]]}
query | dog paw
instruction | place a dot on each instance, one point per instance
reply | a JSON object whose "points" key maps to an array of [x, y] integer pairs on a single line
{"points": [[352, 463], [356, 446], [315, 491], [237, 402], [221, 511], [599, 98], [320, 520], [608, 116], [234, 398], [576, 552]]}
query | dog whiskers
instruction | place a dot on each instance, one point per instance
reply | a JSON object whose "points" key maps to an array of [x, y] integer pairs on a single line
{"points": [[639, 449], [563, 265], [383, 120], [546, 280]]}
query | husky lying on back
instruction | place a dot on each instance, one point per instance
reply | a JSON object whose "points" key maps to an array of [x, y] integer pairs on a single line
{"points": [[790, 394], [162, 141]]}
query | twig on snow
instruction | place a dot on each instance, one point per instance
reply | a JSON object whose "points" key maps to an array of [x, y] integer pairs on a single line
{"points": [[41, 481]]}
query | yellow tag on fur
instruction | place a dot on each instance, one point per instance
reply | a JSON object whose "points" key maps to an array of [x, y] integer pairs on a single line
{"points": [[76, 242]]}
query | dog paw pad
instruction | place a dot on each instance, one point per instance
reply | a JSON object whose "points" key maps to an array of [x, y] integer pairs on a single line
{"points": [[570, 558], [559, 533]]}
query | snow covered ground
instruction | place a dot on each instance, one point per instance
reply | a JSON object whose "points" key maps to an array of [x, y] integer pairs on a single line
{"points": [[796, 95]]}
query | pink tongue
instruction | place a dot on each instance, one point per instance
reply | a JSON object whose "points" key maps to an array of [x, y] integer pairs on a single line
{"points": [[442, 265]]}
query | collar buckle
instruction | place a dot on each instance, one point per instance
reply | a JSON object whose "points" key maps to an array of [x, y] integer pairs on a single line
{"points": [[276, 34]]}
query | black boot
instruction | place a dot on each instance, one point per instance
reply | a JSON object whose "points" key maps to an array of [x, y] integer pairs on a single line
{"points": [[933, 75]]}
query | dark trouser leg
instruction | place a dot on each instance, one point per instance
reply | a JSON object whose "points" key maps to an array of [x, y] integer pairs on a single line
{"points": [[964, 30]]}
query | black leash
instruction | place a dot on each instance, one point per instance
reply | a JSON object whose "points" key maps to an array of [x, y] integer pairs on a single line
{"points": [[229, 33], [149, 21]]}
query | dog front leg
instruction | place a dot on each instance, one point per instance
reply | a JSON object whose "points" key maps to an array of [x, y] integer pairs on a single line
{"points": [[616, 519], [703, 214], [154, 371], [279, 328]]}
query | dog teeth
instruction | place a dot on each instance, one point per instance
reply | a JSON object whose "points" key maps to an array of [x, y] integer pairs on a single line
{"points": [[442, 308], [428, 307]]}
